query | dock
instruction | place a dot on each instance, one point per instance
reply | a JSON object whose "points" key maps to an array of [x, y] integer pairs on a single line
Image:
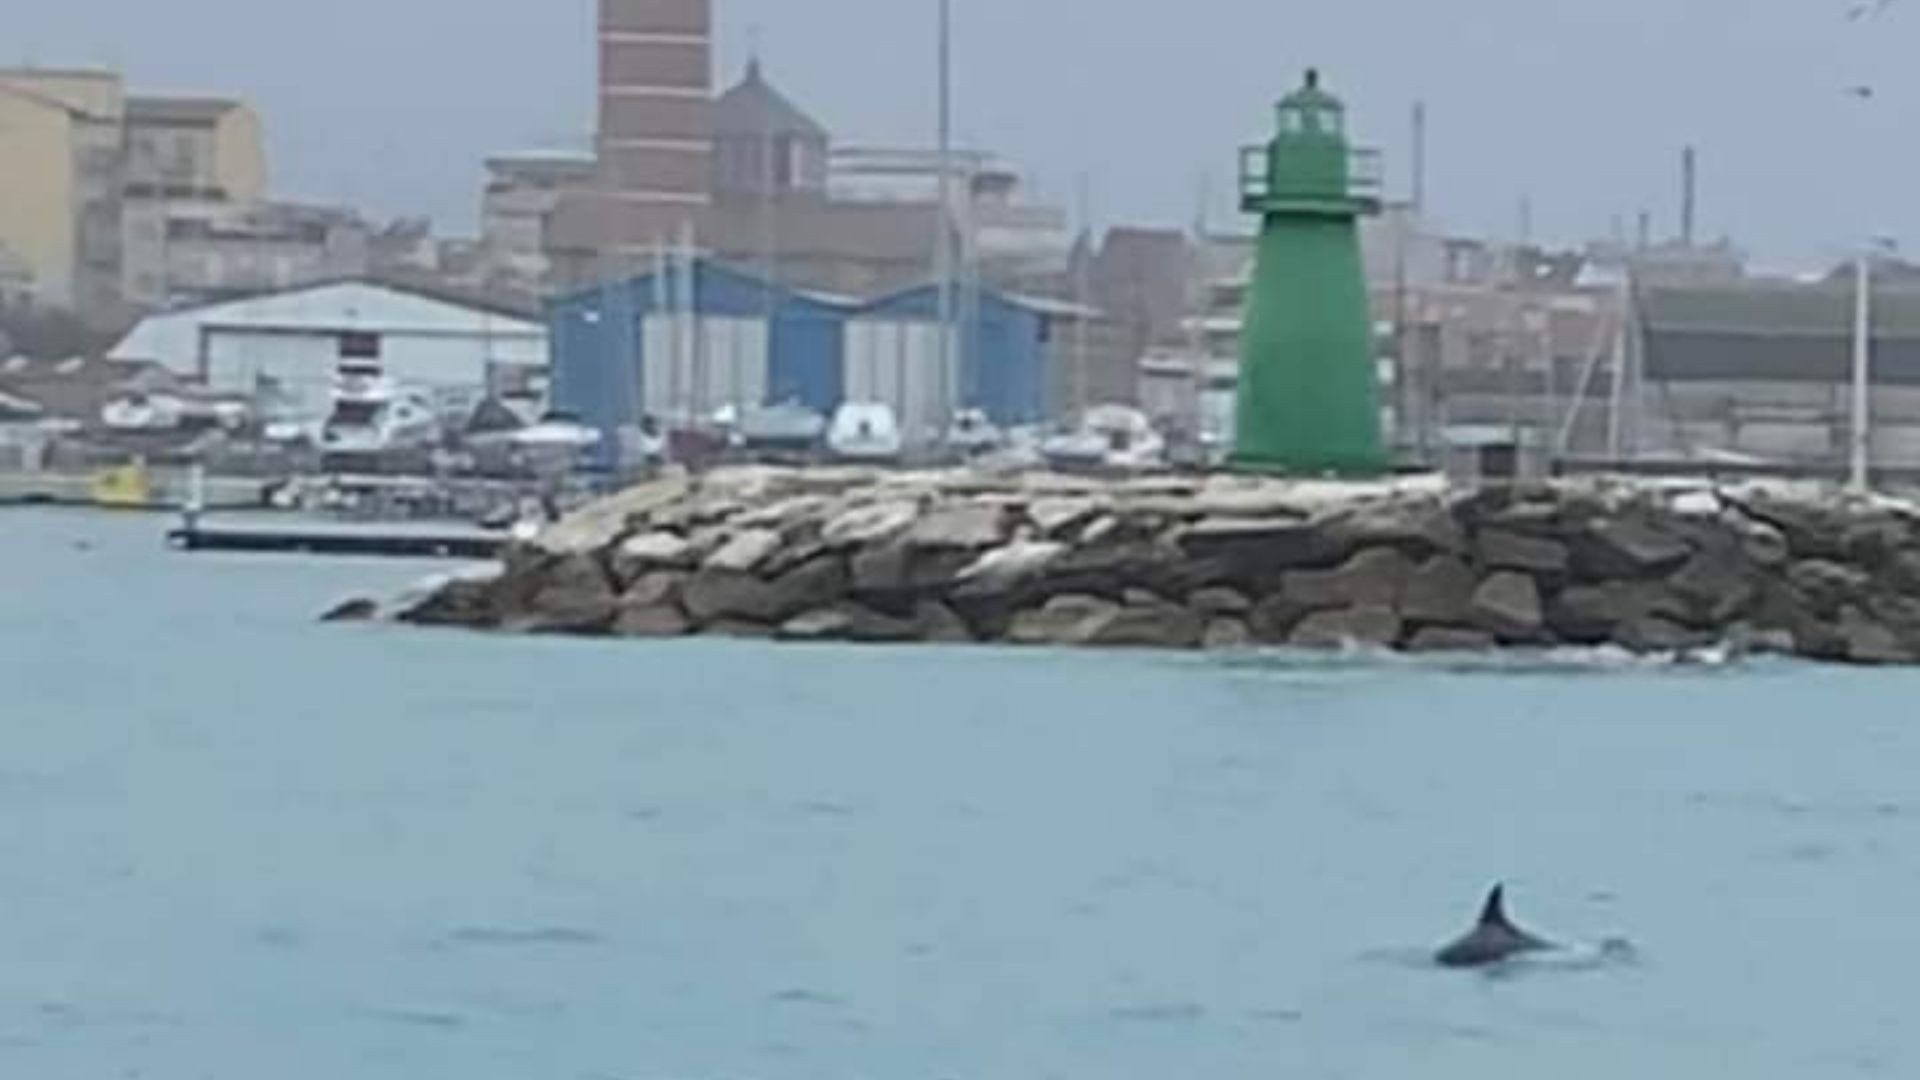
{"points": [[373, 540], [123, 489]]}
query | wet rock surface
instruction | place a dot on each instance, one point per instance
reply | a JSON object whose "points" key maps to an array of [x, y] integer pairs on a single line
{"points": [[1215, 562]]}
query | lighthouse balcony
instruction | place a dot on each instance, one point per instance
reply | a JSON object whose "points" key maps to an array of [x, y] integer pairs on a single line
{"points": [[1309, 180]]}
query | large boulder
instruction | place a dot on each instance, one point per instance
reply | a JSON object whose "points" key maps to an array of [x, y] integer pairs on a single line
{"points": [[1224, 632], [1903, 572], [746, 550], [1259, 545], [1591, 614], [1826, 586], [652, 621], [1417, 527], [1439, 591], [1717, 587], [1500, 549], [897, 569], [1068, 619], [465, 602], [712, 595], [652, 551], [594, 527], [1813, 529], [1373, 578], [847, 621], [871, 525], [745, 629], [1370, 625], [1655, 635], [796, 552], [966, 525], [1109, 568], [1875, 540], [571, 594], [728, 594], [1148, 625], [1628, 547], [882, 568], [1764, 544], [1219, 600], [1055, 517], [358, 609], [1450, 639], [788, 516], [1899, 612], [1273, 619], [1507, 605], [654, 589], [1003, 570], [1869, 641], [936, 622]]}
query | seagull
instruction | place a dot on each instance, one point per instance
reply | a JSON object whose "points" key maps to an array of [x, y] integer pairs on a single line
{"points": [[1867, 9], [1864, 93]]}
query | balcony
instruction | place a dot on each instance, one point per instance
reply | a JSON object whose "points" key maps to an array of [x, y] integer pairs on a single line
{"points": [[1316, 185]]}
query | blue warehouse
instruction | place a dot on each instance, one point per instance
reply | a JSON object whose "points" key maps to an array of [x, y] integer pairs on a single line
{"points": [[688, 338]]}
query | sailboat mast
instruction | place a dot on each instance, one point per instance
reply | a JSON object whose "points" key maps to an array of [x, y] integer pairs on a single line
{"points": [[943, 248]]}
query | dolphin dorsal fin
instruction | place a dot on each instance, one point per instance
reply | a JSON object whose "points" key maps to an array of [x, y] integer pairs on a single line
{"points": [[1495, 913]]}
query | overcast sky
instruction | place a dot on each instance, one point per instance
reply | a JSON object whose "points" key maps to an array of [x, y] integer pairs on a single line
{"points": [[1581, 105]]}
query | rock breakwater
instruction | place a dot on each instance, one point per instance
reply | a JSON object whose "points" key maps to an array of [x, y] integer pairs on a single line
{"points": [[1217, 562]]}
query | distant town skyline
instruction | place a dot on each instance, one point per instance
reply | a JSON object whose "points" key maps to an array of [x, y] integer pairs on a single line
{"points": [[1578, 109]]}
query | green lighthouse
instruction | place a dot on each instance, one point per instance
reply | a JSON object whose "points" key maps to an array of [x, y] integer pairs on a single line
{"points": [[1309, 400]]}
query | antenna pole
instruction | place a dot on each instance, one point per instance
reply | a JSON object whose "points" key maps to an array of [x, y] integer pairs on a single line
{"points": [[1689, 195], [1419, 158], [943, 252]]}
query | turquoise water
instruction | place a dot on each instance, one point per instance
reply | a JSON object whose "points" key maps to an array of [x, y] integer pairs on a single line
{"points": [[235, 843]]}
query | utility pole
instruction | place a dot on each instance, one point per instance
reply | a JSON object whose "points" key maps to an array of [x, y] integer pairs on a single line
{"points": [[1198, 352], [1689, 195], [1617, 384], [1859, 472], [770, 183], [1419, 158], [1082, 290]]}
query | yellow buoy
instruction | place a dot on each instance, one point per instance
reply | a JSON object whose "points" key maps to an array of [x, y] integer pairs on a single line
{"points": [[127, 487]]}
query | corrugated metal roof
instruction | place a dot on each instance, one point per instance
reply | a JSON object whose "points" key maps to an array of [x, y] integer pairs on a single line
{"points": [[526, 308], [1053, 308], [178, 110], [1777, 309], [18, 408], [46, 100], [1776, 332]]}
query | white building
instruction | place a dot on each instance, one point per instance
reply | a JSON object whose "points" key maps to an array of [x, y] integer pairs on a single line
{"points": [[283, 347], [523, 192]]}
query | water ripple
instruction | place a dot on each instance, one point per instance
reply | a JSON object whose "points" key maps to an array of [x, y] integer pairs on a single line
{"points": [[528, 936], [421, 1018], [801, 995], [1164, 1012]]}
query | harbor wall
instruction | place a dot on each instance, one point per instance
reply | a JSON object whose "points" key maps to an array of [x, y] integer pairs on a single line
{"points": [[1217, 562]]}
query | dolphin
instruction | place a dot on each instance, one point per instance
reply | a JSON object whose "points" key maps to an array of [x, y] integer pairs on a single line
{"points": [[1493, 939]]}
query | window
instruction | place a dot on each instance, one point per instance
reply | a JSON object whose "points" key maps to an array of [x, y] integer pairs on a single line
{"points": [[1292, 121], [1330, 121], [357, 345]]}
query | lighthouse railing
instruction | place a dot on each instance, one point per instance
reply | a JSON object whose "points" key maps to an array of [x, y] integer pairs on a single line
{"points": [[1366, 173]]}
